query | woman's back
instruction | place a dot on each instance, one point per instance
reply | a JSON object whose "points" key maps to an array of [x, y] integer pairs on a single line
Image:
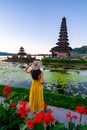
{"points": [[35, 74]]}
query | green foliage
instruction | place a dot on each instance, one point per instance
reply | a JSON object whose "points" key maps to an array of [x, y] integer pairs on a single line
{"points": [[71, 125], [62, 80], [60, 126], [10, 119], [62, 84], [22, 93], [38, 126], [81, 127], [10, 116], [54, 99], [64, 101], [63, 61]]}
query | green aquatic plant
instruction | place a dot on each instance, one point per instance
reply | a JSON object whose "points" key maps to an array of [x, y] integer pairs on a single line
{"points": [[62, 84]]}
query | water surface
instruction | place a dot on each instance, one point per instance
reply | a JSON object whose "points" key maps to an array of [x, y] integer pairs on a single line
{"points": [[13, 74]]}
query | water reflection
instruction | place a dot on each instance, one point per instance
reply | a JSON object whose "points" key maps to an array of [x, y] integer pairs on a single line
{"points": [[13, 74]]}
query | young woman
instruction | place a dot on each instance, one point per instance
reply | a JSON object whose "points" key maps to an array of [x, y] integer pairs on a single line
{"points": [[36, 98]]}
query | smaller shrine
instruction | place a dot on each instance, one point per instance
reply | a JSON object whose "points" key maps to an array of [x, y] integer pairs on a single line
{"points": [[62, 50], [21, 56]]}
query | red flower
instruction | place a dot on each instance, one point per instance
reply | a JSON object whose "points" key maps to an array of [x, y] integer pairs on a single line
{"points": [[44, 117], [45, 106], [51, 116], [81, 109], [74, 117], [50, 112], [38, 117], [23, 103], [41, 117], [48, 117], [30, 124], [23, 109], [69, 116], [13, 105], [6, 90]]}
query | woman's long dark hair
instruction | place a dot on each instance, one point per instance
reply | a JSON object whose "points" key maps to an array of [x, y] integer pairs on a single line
{"points": [[35, 74]]}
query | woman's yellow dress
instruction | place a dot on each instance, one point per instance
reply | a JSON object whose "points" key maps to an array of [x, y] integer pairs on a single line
{"points": [[36, 99]]}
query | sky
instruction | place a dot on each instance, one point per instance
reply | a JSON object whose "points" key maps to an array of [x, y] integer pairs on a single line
{"points": [[35, 24]]}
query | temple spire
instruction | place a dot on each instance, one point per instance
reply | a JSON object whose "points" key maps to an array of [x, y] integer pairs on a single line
{"points": [[62, 50], [63, 38]]}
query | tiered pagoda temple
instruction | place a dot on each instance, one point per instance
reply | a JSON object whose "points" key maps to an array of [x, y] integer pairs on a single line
{"points": [[21, 56], [62, 50], [21, 52]]}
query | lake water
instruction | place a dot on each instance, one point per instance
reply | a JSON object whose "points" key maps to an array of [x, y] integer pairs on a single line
{"points": [[13, 74]]}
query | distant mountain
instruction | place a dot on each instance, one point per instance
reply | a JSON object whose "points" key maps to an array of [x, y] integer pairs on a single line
{"points": [[6, 54], [81, 50]]}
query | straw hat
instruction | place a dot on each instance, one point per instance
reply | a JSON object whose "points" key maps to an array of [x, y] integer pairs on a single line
{"points": [[36, 65]]}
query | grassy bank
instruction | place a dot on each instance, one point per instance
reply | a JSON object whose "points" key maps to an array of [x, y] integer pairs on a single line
{"points": [[57, 60], [58, 100], [66, 63]]}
